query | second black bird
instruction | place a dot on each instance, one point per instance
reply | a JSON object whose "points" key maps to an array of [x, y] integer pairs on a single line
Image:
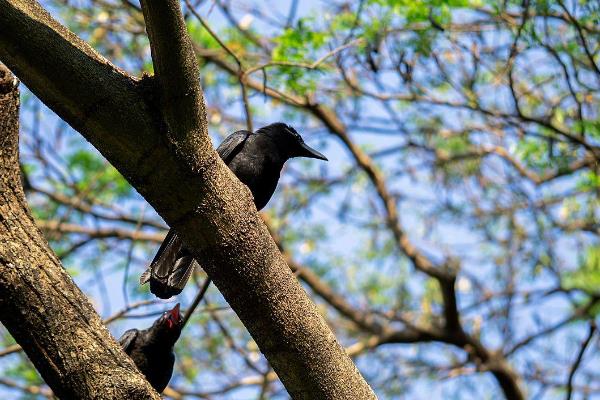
{"points": [[256, 159], [152, 349]]}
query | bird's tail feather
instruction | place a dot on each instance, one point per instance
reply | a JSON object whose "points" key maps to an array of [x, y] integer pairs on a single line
{"points": [[170, 269]]}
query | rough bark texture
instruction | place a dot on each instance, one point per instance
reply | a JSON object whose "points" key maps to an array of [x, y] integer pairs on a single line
{"points": [[39, 303], [165, 153]]}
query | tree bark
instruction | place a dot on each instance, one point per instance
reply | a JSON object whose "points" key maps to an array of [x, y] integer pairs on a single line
{"points": [[39, 303], [154, 131]]}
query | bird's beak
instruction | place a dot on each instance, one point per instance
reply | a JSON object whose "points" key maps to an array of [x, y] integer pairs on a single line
{"points": [[307, 151], [175, 311], [173, 316]]}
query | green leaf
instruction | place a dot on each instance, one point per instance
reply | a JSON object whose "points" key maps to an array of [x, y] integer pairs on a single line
{"points": [[588, 181], [587, 276]]}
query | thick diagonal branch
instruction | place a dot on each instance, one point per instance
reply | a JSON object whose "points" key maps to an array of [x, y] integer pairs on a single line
{"points": [[39, 303]]}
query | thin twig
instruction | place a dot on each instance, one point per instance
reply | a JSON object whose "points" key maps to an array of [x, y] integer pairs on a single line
{"points": [[138, 226], [196, 301], [578, 360], [240, 70], [313, 65]]}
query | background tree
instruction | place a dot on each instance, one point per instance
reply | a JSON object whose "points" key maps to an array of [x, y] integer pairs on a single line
{"points": [[452, 240]]}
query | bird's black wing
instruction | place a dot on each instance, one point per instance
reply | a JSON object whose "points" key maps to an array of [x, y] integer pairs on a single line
{"points": [[180, 274], [232, 145], [170, 269], [127, 339], [165, 258]]}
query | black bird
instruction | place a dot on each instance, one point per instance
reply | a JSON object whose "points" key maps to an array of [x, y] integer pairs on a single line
{"points": [[256, 159], [152, 349]]}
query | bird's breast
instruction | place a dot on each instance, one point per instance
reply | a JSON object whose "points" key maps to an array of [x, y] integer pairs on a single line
{"points": [[259, 174]]}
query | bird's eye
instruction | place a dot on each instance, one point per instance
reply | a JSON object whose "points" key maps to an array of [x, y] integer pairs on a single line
{"points": [[293, 132]]}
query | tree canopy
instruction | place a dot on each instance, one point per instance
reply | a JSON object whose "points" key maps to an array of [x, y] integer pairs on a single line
{"points": [[451, 242]]}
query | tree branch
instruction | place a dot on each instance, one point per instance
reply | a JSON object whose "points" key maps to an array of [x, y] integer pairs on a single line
{"points": [[578, 360], [176, 71], [40, 305], [98, 233]]}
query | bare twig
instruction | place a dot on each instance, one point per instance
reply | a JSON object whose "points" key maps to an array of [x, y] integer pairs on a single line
{"points": [[578, 360], [196, 301], [240, 71]]}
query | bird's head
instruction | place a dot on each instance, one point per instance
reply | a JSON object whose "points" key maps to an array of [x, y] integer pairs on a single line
{"points": [[289, 141], [169, 325], [172, 318]]}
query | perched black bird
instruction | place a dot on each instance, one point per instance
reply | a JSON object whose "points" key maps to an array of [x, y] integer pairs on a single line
{"points": [[256, 159], [152, 349]]}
